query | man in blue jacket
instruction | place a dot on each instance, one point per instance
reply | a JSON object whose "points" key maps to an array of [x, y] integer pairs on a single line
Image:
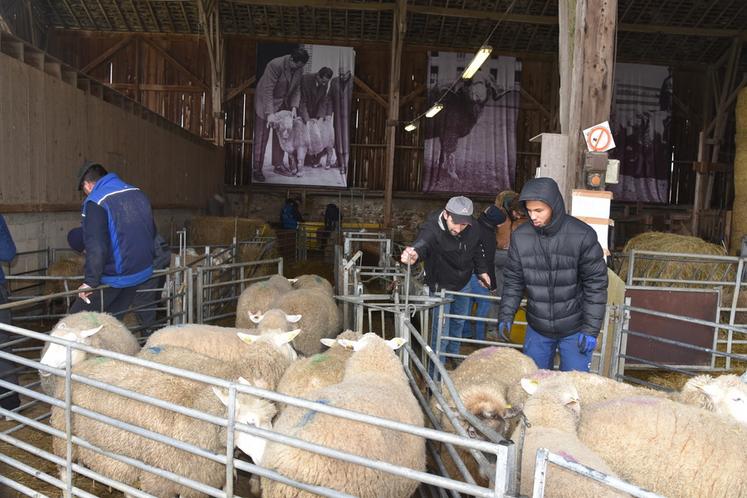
{"points": [[118, 234], [7, 368], [558, 261]]}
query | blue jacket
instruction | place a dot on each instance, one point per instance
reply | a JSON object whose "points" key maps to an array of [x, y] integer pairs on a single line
{"points": [[7, 246], [118, 232]]}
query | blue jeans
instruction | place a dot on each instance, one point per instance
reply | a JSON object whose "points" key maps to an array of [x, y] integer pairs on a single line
{"points": [[542, 350], [483, 305], [453, 327]]}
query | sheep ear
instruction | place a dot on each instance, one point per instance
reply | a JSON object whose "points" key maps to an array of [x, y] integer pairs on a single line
{"points": [[529, 385], [221, 394], [247, 338], [347, 343], [90, 332], [61, 325], [292, 318], [287, 337], [328, 342], [260, 383], [396, 343], [292, 280], [293, 112], [256, 318]]}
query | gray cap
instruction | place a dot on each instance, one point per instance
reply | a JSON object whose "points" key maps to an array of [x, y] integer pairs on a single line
{"points": [[460, 208]]}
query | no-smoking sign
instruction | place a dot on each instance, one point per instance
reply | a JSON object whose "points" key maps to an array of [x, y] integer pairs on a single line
{"points": [[599, 138]]}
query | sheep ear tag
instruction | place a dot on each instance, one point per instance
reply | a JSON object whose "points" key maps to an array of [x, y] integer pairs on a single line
{"points": [[247, 338], [396, 343], [292, 318], [529, 385], [292, 280], [328, 342], [256, 318], [90, 332], [347, 343]]}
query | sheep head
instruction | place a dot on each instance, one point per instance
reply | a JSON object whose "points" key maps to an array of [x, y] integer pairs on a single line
{"points": [[282, 123], [253, 411], [280, 340], [55, 355], [725, 395]]}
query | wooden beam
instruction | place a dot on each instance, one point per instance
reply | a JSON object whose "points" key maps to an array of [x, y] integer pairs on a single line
{"points": [[370, 91], [151, 87], [412, 95], [108, 54], [321, 4], [175, 62], [399, 28], [233, 92]]}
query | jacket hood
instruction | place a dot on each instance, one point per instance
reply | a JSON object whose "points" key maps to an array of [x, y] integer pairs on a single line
{"points": [[547, 191]]}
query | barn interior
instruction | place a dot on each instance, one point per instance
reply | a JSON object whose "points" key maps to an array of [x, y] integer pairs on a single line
{"points": [[164, 92]]}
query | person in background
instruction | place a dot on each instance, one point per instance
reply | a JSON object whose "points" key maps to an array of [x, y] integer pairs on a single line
{"points": [[452, 252], [8, 398], [118, 234], [558, 261], [486, 224], [332, 224], [290, 216]]}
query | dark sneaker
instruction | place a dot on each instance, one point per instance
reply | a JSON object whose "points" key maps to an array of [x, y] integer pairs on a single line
{"points": [[257, 176]]}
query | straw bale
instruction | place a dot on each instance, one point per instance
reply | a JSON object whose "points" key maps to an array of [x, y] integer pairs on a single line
{"points": [[739, 214], [673, 243], [212, 230]]}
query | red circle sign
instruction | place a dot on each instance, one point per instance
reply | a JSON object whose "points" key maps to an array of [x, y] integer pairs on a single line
{"points": [[599, 139]]}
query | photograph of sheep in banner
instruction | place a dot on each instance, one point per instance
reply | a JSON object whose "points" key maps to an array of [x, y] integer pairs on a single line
{"points": [[470, 145], [302, 114]]}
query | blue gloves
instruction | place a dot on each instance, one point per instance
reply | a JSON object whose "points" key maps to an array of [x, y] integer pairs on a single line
{"points": [[504, 330], [586, 343]]}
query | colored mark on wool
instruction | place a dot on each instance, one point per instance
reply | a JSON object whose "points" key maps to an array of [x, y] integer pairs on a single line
{"points": [[91, 317], [101, 359], [484, 352], [310, 414], [319, 358], [155, 349], [567, 456]]}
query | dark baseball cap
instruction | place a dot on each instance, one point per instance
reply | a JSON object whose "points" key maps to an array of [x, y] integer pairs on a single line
{"points": [[460, 208], [83, 170], [75, 239]]}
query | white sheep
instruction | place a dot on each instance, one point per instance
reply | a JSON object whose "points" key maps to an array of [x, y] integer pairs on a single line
{"points": [[320, 317], [306, 375], [313, 282], [274, 319], [259, 297], [724, 395], [171, 389], [259, 356], [374, 383], [97, 330], [482, 381], [552, 411], [667, 447]]}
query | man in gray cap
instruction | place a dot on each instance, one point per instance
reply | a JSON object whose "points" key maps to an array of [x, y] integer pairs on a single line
{"points": [[452, 252]]}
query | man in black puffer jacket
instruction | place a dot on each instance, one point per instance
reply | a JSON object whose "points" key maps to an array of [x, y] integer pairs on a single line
{"points": [[560, 263]]}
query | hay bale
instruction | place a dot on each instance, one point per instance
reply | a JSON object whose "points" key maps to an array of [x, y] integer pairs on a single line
{"points": [[673, 243], [214, 230], [256, 252], [739, 214], [71, 266]]}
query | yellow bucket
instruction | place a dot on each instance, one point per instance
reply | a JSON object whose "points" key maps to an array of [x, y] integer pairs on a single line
{"points": [[518, 331]]}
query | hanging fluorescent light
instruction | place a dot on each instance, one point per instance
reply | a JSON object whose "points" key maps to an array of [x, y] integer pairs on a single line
{"points": [[410, 126], [435, 109], [480, 57]]}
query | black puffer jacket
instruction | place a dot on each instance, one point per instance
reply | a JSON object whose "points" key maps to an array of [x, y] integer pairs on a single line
{"points": [[449, 259], [561, 266]]}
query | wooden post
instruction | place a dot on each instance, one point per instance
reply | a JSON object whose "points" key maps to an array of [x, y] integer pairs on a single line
{"points": [[587, 61], [399, 26], [210, 19]]}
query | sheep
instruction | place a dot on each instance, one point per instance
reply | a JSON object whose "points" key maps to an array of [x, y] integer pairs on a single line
{"points": [[725, 395], [274, 319], [482, 381], [97, 330], [259, 297], [71, 266], [171, 389], [667, 447], [374, 383], [313, 282], [592, 388], [261, 357], [553, 410], [321, 370], [320, 317]]}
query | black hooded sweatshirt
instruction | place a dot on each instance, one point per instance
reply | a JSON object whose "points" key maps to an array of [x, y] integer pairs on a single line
{"points": [[449, 259], [561, 266]]}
